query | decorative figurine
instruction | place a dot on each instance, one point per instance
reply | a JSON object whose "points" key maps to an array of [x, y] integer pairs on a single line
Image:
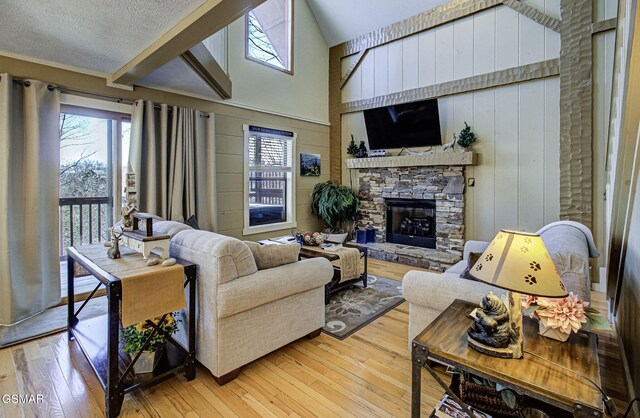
{"points": [[130, 198], [114, 252], [492, 331], [450, 145], [362, 150]]}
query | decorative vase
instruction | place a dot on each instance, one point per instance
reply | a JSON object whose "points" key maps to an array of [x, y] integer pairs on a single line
{"points": [[553, 333], [148, 361]]}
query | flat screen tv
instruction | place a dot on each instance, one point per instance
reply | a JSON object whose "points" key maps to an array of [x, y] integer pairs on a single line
{"points": [[407, 125]]}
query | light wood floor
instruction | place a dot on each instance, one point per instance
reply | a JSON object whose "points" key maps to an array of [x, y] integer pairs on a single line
{"points": [[367, 374]]}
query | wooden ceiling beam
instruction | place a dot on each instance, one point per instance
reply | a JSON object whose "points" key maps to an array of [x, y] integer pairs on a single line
{"points": [[207, 68], [209, 18]]}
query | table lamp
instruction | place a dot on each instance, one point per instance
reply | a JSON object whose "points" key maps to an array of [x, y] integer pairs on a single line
{"points": [[518, 262]]}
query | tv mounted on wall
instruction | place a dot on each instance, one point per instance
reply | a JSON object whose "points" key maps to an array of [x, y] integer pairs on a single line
{"points": [[406, 125]]}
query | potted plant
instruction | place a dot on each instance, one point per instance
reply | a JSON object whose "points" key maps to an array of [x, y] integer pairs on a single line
{"points": [[134, 336], [559, 317], [337, 206]]}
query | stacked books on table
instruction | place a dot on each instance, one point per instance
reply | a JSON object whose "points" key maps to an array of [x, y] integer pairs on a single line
{"points": [[447, 408]]}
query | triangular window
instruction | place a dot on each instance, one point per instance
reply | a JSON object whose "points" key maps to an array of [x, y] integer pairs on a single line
{"points": [[269, 34]]}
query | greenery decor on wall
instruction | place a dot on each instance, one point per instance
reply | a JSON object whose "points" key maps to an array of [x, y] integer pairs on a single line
{"points": [[336, 205], [466, 137]]}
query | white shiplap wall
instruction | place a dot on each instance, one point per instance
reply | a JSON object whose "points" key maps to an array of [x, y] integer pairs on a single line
{"points": [[517, 178]]}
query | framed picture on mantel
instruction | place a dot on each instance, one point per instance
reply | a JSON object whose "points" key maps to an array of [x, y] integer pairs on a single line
{"points": [[309, 165]]}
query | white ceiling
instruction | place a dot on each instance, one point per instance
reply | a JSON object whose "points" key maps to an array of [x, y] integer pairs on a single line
{"points": [[96, 35], [341, 20]]}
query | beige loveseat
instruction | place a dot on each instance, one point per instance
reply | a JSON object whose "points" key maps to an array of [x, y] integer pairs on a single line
{"points": [[245, 313], [570, 245]]}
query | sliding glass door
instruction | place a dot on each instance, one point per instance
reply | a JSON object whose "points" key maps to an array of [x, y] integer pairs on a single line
{"points": [[92, 144]]}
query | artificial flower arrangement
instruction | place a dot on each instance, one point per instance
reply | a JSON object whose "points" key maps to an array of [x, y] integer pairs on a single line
{"points": [[559, 317], [134, 336]]}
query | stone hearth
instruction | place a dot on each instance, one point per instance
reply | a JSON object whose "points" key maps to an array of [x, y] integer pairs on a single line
{"points": [[444, 184]]}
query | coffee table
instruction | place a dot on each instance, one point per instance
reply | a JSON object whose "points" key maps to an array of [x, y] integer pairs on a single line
{"points": [[546, 374], [336, 284]]}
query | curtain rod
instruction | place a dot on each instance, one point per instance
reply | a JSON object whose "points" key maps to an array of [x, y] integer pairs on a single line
{"points": [[62, 89]]}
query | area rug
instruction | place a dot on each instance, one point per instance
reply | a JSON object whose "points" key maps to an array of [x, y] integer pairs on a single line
{"points": [[49, 322], [355, 307]]}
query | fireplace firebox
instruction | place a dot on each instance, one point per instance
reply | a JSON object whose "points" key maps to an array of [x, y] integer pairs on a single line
{"points": [[411, 222]]}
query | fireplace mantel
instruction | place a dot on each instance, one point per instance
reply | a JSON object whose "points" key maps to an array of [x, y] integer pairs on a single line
{"points": [[433, 159]]}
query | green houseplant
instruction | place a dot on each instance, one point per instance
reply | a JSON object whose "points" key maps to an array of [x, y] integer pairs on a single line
{"points": [[336, 205], [133, 338]]}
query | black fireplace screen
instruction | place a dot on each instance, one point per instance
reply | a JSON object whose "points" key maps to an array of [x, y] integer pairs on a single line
{"points": [[411, 222]]}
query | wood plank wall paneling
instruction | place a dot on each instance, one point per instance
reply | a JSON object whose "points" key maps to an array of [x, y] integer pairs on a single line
{"points": [[517, 179], [312, 138]]}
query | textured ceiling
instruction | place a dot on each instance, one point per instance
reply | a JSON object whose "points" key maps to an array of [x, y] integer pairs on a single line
{"points": [[97, 35], [341, 20]]}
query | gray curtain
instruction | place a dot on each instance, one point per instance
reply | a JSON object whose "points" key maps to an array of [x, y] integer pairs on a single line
{"points": [[172, 154], [29, 166]]}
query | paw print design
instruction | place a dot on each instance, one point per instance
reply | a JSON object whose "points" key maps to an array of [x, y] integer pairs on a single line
{"points": [[478, 266], [489, 257], [530, 279], [562, 286], [524, 249], [499, 236], [535, 266], [528, 240]]}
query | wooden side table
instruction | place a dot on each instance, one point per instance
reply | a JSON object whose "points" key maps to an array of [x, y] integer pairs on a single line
{"points": [[535, 375], [98, 338]]}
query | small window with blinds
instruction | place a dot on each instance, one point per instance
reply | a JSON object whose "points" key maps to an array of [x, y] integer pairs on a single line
{"points": [[269, 179]]}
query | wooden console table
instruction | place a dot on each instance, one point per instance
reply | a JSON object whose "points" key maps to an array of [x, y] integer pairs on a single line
{"points": [[545, 383], [98, 338]]}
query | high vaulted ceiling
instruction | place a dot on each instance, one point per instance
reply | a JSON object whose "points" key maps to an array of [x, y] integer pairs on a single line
{"points": [[341, 20], [96, 35], [101, 36]]}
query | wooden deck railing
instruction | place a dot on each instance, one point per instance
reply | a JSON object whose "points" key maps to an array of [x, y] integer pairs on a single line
{"points": [[83, 220]]}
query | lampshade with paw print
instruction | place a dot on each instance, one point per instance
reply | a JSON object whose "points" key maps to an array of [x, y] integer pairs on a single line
{"points": [[519, 261]]}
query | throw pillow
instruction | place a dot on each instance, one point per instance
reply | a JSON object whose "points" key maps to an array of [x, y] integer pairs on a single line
{"points": [[192, 222], [471, 261], [274, 255]]}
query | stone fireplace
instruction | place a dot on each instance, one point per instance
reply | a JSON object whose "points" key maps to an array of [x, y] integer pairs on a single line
{"points": [[418, 211]]}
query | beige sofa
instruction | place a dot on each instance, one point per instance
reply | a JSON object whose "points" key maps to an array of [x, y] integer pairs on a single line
{"points": [[245, 313], [570, 245]]}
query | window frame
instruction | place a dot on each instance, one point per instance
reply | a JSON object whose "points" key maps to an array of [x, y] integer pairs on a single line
{"points": [[291, 221], [291, 40]]}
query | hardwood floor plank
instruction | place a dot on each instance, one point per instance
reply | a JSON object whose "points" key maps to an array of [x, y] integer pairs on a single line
{"points": [[32, 381], [9, 385], [265, 384], [326, 407], [85, 402]]}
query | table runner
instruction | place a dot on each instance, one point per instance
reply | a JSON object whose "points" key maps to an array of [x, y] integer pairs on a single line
{"points": [[349, 262], [147, 292]]}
